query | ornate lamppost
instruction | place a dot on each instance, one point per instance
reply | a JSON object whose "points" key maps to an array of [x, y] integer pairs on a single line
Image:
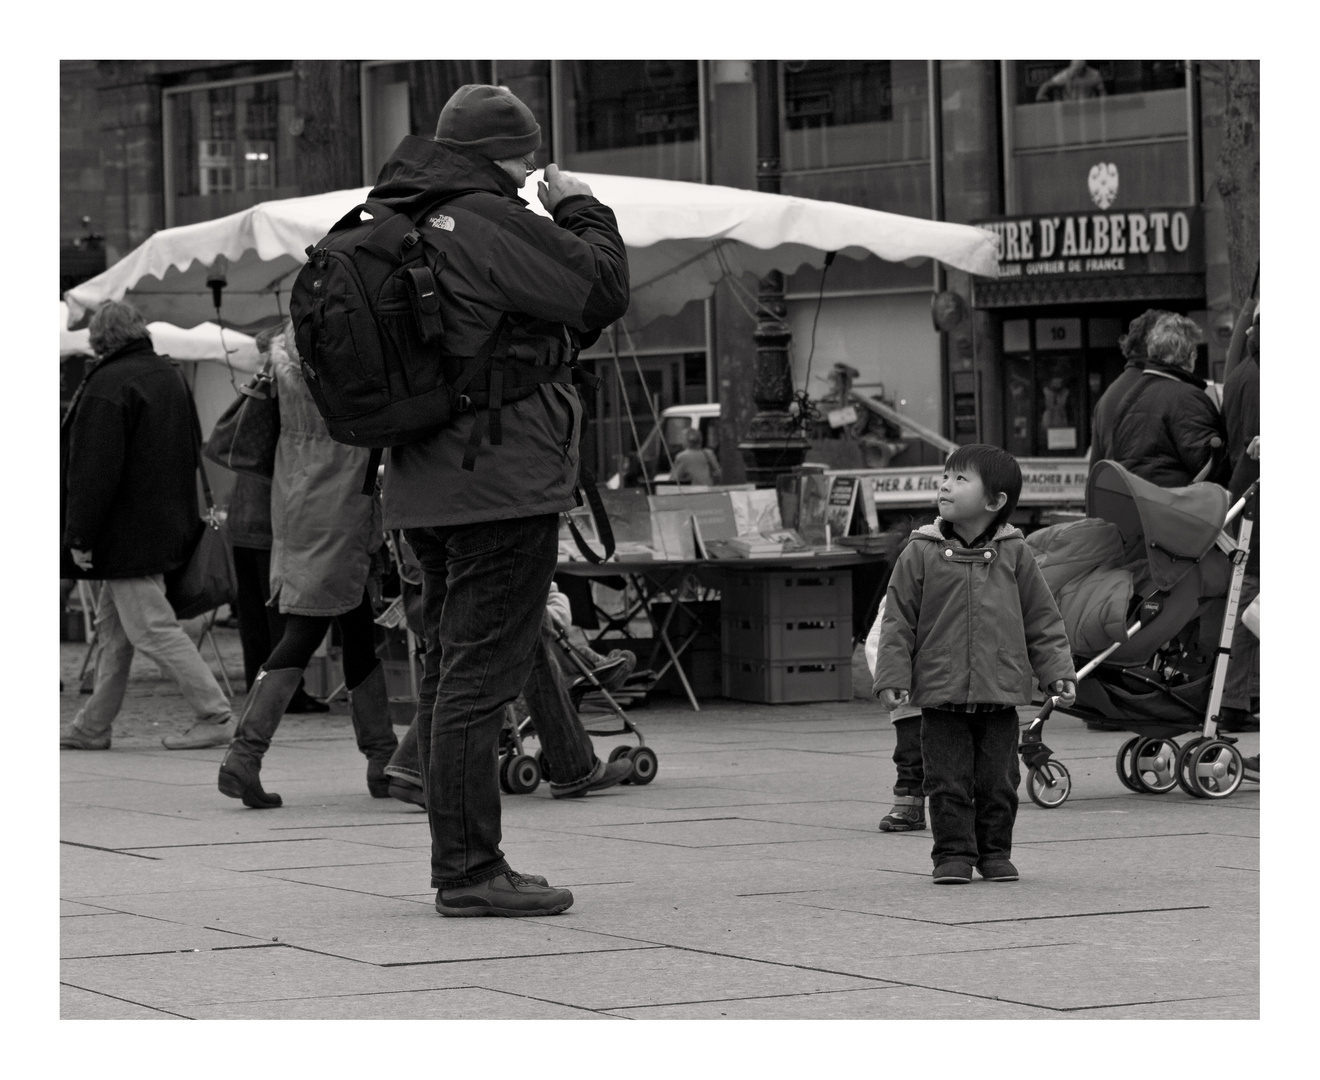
{"points": [[773, 442]]}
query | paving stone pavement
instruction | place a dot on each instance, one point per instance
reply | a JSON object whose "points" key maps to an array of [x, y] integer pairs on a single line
{"points": [[748, 881]]}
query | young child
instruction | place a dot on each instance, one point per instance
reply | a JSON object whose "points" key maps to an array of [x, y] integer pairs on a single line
{"points": [[968, 619]]}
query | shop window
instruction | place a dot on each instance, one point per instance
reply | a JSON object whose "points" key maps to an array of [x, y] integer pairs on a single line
{"points": [[854, 112], [632, 117], [1098, 132], [229, 147], [1055, 368]]}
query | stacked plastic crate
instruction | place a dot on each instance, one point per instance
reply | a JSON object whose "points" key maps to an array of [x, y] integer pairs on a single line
{"points": [[786, 635]]}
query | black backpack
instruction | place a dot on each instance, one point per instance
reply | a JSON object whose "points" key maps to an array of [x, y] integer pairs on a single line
{"points": [[367, 324]]}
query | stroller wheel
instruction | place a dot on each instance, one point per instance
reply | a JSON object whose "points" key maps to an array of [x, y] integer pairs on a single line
{"points": [[523, 775], [1184, 763], [1214, 769], [620, 751], [505, 762], [1049, 785], [645, 765], [544, 766], [1155, 765], [1123, 763]]}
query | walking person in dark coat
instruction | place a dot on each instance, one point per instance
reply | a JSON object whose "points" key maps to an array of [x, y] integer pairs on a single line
{"points": [[1241, 702], [128, 501], [1168, 430], [324, 531], [487, 537]]}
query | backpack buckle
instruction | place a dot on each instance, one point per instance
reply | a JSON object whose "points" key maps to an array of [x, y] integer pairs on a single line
{"points": [[463, 404]]}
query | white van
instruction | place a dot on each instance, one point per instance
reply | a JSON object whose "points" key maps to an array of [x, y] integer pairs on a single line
{"points": [[674, 424]]}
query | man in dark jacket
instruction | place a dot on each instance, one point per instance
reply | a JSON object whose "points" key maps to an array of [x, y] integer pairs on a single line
{"points": [[1105, 414], [487, 535], [1241, 701], [1168, 430], [128, 497]]}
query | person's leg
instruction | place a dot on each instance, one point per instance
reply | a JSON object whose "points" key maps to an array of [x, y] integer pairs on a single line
{"points": [[994, 746], [240, 772], [369, 703], [1242, 683], [90, 729], [253, 589], [150, 624], [947, 758], [566, 748], [483, 597], [909, 810]]}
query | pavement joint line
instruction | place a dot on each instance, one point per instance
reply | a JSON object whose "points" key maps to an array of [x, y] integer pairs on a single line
{"points": [[170, 952], [216, 843], [412, 819], [109, 850], [127, 810], [1153, 1001], [881, 984], [521, 956], [126, 1001], [1084, 915], [320, 866], [1100, 839], [413, 990], [1247, 869], [781, 892]]}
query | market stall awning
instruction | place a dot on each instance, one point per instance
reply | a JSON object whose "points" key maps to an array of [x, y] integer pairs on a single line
{"points": [[682, 240], [201, 342]]}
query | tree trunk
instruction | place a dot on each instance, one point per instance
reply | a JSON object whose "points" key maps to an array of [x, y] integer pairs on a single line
{"points": [[1239, 174], [326, 123]]}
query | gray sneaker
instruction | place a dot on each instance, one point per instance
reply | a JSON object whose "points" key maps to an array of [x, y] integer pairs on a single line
{"points": [[908, 815], [73, 739], [510, 895], [203, 734], [606, 775]]}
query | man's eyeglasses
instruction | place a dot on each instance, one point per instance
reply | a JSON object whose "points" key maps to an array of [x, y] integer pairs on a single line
{"points": [[529, 165]]}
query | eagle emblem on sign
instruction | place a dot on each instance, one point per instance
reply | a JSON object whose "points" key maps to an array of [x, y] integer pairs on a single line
{"points": [[1103, 182]]}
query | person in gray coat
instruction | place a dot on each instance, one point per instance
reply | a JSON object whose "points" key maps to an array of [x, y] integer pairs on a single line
{"points": [[324, 532]]}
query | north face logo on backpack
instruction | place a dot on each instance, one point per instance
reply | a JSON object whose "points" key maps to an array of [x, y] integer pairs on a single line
{"points": [[442, 221]]}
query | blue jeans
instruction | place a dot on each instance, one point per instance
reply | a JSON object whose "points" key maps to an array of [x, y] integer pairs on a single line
{"points": [[972, 775], [483, 596], [565, 745]]}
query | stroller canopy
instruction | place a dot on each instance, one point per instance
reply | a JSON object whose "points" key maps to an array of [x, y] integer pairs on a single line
{"points": [[1173, 526]]}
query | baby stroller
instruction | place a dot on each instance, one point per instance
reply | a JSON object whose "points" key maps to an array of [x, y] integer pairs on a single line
{"points": [[521, 773], [1148, 586]]}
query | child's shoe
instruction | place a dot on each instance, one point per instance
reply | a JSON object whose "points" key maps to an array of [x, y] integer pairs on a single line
{"points": [[907, 815], [953, 873], [997, 870]]}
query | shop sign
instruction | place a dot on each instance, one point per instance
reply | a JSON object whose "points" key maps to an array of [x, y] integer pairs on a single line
{"points": [[1160, 241], [1045, 481]]}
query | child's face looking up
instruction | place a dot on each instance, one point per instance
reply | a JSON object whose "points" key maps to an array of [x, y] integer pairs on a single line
{"points": [[964, 502]]}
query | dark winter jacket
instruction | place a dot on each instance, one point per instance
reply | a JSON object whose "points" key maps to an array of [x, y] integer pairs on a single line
{"points": [[1105, 415], [1169, 429], [970, 625], [1242, 419], [128, 468], [556, 278]]}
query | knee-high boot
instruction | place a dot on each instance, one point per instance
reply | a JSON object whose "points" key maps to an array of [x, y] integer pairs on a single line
{"points": [[369, 707], [240, 772]]}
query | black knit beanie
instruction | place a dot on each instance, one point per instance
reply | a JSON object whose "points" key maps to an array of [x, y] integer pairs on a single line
{"points": [[490, 121]]}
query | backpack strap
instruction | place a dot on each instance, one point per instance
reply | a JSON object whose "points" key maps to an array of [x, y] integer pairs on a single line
{"points": [[587, 486], [468, 374]]}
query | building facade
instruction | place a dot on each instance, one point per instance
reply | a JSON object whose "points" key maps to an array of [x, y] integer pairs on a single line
{"points": [[1097, 177]]}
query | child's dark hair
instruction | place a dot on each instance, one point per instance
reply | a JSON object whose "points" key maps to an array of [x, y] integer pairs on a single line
{"points": [[998, 470]]}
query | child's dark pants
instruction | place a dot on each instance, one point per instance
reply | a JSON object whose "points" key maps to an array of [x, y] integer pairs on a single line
{"points": [[907, 757], [972, 775]]}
